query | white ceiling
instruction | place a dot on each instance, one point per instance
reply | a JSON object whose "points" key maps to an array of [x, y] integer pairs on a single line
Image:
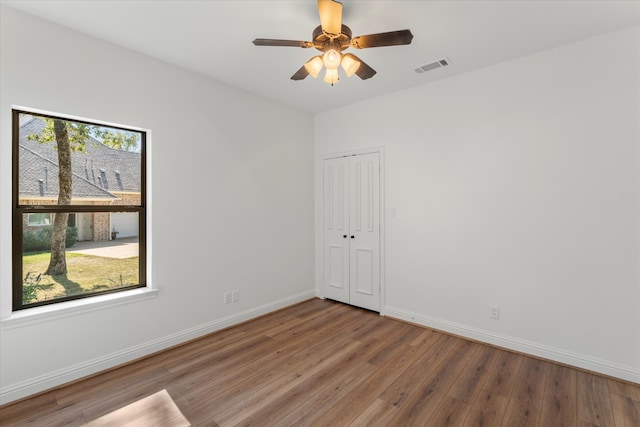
{"points": [[213, 37]]}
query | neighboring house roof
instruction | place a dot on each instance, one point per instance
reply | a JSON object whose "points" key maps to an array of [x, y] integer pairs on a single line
{"points": [[98, 172], [39, 178]]}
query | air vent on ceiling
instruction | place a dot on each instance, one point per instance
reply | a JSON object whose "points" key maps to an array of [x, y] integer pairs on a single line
{"points": [[433, 65]]}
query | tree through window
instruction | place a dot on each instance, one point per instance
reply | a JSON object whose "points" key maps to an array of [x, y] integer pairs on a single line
{"points": [[79, 221]]}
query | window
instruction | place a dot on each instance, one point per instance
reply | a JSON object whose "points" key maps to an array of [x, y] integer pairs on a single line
{"points": [[36, 219], [79, 219]]}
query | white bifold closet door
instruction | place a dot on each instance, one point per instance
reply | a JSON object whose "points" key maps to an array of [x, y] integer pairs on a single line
{"points": [[351, 228]]}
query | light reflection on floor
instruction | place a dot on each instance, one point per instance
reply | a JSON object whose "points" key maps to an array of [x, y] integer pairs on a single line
{"points": [[159, 409]]}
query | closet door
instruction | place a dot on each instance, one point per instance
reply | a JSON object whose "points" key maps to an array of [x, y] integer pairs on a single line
{"points": [[351, 230], [336, 229], [364, 236]]}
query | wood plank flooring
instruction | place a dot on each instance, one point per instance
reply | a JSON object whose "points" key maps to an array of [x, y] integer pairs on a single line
{"points": [[321, 363]]}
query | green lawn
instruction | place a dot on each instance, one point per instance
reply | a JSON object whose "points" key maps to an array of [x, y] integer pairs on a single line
{"points": [[85, 274]]}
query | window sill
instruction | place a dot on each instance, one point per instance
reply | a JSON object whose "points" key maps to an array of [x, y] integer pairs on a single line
{"points": [[47, 313]]}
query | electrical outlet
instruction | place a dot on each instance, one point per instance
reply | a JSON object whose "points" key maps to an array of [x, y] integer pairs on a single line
{"points": [[494, 312], [228, 298], [235, 296]]}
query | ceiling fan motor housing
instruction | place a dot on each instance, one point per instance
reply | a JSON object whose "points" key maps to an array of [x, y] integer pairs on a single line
{"points": [[324, 41]]}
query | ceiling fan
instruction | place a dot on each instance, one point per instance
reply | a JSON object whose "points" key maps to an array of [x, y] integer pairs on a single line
{"points": [[331, 37]]}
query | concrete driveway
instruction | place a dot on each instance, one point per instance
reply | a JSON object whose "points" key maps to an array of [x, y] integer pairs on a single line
{"points": [[120, 248]]}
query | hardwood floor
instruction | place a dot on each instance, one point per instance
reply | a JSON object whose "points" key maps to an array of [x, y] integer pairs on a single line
{"points": [[321, 363]]}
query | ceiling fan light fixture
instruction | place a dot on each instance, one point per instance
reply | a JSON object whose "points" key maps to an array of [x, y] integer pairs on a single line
{"points": [[331, 76], [314, 65], [332, 59], [350, 64], [331, 37]]}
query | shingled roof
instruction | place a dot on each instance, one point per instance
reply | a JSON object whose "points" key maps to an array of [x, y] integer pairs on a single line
{"points": [[96, 173]]}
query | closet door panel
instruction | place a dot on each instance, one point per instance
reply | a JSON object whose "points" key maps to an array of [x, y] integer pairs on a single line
{"points": [[336, 229], [364, 250]]}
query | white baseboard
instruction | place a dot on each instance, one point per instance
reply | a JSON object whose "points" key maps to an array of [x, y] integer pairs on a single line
{"points": [[515, 344], [75, 372]]}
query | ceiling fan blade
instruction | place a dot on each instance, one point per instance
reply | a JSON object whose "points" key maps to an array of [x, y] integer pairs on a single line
{"points": [[364, 71], [392, 38], [300, 74], [330, 12], [284, 43]]}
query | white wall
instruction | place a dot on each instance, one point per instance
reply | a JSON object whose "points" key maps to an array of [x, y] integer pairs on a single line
{"points": [[517, 185], [232, 200]]}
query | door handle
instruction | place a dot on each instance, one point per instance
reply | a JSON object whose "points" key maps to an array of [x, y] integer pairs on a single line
{"points": [[344, 237], [353, 237]]}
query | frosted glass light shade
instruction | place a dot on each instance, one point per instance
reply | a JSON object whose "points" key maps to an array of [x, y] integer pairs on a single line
{"points": [[331, 76], [314, 65], [331, 59], [350, 64]]}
